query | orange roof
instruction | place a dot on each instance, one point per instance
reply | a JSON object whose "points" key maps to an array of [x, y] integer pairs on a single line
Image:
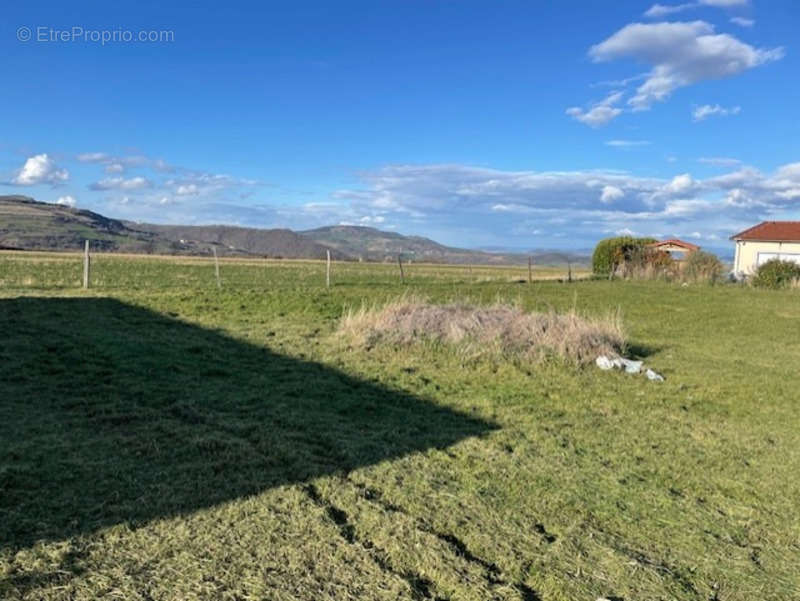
{"points": [[772, 231], [675, 242]]}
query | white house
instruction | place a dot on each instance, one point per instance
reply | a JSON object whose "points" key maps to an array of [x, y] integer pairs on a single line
{"points": [[765, 241]]}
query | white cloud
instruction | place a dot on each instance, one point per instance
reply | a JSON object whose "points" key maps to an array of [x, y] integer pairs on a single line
{"points": [[163, 183], [704, 111], [724, 3], [580, 205], [40, 169], [509, 208], [742, 22], [595, 116], [372, 220], [626, 143], [734, 179], [460, 204], [789, 172], [686, 207], [680, 184], [787, 182], [161, 165], [67, 201], [93, 157], [187, 190], [720, 161], [611, 193], [620, 83], [741, 199], [680, 54], [464, 205], [117, 164], [193, 183], [121, 183], [662, 10], [599, 113]]}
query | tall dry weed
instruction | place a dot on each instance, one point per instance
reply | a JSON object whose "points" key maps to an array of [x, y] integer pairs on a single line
{"points": [[499, 329]]}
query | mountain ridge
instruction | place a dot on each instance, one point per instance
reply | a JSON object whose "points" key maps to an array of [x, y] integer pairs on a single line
{"points": [[28, 224]]}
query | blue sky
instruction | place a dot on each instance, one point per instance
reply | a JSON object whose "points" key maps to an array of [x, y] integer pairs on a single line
{"points": [[515, 124]]}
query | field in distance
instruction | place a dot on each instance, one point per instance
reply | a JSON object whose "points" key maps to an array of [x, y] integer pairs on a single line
{"points": [[118, 270], [161, 438]]}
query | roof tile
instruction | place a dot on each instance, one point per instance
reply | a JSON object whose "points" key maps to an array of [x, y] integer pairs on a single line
{"points": [[772, 231]]}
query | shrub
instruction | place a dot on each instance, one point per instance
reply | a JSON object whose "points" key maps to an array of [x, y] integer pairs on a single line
{"points": [[612, 252], [702, 266], [776, 274]]}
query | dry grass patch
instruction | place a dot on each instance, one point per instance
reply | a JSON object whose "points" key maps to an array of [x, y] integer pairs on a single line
{"points": [[500, 329]]}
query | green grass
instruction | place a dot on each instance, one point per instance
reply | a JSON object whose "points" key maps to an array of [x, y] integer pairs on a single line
{"points": [[161, 439]]}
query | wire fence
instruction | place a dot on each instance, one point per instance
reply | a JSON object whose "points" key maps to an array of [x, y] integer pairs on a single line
{"points": [[67, 270]]}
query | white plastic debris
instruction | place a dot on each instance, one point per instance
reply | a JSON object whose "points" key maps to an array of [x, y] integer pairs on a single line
{"points": [[632, 367], [629, 365], [604, 362]]}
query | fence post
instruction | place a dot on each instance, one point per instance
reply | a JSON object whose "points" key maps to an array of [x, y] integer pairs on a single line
{"points": [[328, 270], [400, 264], [530, 270], [86, 265], [216, 267], [569, 271]]}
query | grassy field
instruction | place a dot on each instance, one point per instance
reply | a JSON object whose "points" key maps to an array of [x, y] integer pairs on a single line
{"points": [[162, 439]]}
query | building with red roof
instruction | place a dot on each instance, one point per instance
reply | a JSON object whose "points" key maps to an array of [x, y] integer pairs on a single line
{"points": [[674, 246], [765, 241]]}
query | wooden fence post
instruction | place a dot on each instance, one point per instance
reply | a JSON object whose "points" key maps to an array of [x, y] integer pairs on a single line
{"points": [[86, 265], [530, 270], [400, 264], [216, 267], [328, 270], [569, 271]]}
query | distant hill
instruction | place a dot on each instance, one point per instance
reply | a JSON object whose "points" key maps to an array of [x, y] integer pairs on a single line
{"points": [[370, 244], [232, 240], [27, 224], [30, 225]]}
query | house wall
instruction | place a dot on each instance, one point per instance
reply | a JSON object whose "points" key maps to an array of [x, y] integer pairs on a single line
{"points": [[747, 254]]}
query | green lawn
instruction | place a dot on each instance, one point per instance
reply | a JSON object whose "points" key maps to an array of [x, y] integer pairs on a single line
{"points": [[162, 439]]}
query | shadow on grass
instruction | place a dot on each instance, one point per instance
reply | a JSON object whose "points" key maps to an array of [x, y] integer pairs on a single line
{"points": [[111, 413], [641, 351]]}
